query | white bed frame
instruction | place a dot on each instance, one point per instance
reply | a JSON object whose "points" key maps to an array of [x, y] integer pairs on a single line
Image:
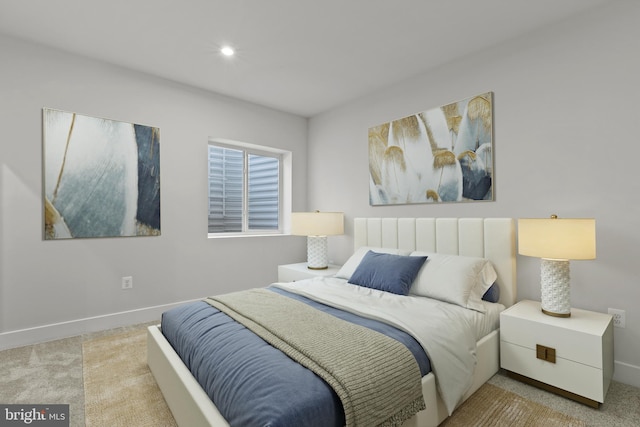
{"points": [[492, 238]]}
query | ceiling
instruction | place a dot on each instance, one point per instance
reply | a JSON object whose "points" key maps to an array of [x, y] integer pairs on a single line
{"points": [[298, 56]]}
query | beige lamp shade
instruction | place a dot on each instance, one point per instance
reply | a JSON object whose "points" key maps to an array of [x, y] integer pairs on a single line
{"points": [[317, 223], [557, 238]]}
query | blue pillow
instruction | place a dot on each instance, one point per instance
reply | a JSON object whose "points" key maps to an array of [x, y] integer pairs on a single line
{"points": [[493, 293], [387, 272]]}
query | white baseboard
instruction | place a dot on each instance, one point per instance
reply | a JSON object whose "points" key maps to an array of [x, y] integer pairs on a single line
{"points": [[73, 328], [626, 373]]}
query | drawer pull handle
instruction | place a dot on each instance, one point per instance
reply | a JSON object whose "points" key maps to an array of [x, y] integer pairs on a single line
{"points": [[545, 353]]}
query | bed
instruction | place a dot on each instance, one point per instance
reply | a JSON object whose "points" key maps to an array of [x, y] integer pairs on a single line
{"points": [[488, 238]]}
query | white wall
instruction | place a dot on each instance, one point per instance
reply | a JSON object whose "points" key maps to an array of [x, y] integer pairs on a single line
{"points": [[54, 288], [566, 107]]}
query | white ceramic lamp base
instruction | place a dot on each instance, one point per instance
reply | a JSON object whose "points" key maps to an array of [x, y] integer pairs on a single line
{"points": [[317, 252], [555, 287]]}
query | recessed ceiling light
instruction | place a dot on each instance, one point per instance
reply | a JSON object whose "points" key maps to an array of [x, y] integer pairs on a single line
{"points": [[227, 51]]}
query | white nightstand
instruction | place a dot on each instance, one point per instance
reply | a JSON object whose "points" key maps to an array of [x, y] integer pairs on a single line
{"points": [[570, 356], [299, 271]]}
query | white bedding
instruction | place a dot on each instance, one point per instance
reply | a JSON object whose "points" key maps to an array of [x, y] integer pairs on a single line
{"points": [[447, 332], [490, 321]]}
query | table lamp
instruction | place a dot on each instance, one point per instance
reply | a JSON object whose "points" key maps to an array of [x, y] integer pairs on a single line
{"points": [[317, 226], [556, 241]]}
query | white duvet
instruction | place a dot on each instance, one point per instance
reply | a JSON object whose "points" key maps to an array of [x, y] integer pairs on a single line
{"points": [[447, 332]]}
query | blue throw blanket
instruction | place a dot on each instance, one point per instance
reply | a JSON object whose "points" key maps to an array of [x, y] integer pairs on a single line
{"points": [[251, 383]]}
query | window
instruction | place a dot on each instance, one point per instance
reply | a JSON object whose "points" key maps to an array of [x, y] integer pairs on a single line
{"points": [[248, 189]]}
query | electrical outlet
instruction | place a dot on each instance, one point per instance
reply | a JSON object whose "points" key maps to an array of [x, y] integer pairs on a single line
{"points": [[619, 317], [127, 282]]}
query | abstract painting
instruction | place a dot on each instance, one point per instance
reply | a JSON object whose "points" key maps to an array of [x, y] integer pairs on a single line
{"points": [[101, 177], [444, 154]]}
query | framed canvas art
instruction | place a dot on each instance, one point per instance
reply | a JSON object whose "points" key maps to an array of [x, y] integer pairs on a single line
{"points": [[101, 177], [444, 154]]}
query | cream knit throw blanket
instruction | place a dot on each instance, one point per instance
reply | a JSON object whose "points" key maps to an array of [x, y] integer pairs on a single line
{"points": [[376, 377]]}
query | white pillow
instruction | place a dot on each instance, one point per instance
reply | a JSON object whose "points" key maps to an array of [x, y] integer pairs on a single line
{"points": [[455, 279], [346, 271]]}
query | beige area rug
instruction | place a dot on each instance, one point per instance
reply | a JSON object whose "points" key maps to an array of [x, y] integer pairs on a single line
{"points": [[118, 385], [493, 406], [121, 391]]}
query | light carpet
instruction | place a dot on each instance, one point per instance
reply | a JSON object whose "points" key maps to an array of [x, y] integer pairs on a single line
{"points": [[118, 385], [121, 391]]}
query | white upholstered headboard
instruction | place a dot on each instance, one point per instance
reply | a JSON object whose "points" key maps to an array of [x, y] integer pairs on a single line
{"points": [[491, 238]]}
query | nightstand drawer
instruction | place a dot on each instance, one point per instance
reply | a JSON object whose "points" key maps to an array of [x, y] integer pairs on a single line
{"points": [[568, 375], [584, 337], [568, 343]]}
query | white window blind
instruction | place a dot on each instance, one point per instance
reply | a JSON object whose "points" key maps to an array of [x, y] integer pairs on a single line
{"points": [[263, 194], [244, 190]]}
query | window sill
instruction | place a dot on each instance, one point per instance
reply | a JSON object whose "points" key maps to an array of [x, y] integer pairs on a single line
{"points": [[234, 235]]}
